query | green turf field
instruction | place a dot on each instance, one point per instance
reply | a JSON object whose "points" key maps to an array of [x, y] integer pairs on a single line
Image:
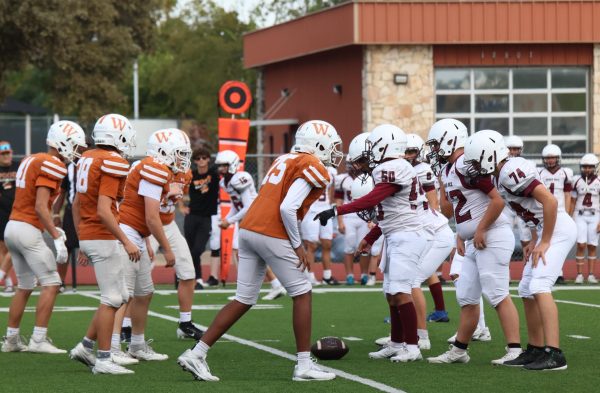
{"points": [[244, 364]]}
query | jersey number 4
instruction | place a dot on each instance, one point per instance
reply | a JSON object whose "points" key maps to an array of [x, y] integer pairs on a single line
{"points": [[22, 172]]}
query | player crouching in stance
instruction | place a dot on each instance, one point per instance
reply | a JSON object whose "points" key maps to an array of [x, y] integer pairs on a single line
{"points": [[395, 195], [38, 183], [485, 153], [484, 239], [101, 174], [269, 235], [586, 204]]}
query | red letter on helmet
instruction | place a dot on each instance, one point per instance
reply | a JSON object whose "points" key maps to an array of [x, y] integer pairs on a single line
{"points": [[118, 123], [163, 136], [320, 128]]}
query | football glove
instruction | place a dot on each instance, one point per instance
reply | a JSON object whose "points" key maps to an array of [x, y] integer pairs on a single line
{"points": [[62, 253], [325, 215]]}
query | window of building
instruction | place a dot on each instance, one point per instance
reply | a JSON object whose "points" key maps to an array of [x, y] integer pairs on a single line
{"points": [[541, 105]]}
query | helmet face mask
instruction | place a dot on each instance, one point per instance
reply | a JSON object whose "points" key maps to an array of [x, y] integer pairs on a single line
{"points": [[588, 165], [412, 155], [228, 162], [361, 186], [484, 151], [515, 151], [588, 170], [550, 162], [171, 147]]}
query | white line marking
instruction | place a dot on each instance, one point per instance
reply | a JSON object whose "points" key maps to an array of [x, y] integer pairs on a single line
{"points": [[355, 378], [352, 338], [578, 303], [56, 309], [578, 337], [220, 306]]}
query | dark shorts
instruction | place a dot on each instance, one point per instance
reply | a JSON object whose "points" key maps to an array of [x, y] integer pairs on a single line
{"points": [[69, 228], [3, 222]]}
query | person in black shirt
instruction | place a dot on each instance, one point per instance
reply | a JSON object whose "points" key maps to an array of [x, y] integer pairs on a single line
{"points": [[204, 200], [8, 176]]}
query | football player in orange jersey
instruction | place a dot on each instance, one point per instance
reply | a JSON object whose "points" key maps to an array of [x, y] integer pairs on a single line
{"points": [[148, 183], [269, 235], [38, 182], [184, 268], [101, 174]]}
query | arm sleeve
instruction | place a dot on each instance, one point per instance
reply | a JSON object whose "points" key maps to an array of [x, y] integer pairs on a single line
{"points": [[246, 201], [296, 195], [484, 183], [150, 190], [378, 194], [373, 235]]}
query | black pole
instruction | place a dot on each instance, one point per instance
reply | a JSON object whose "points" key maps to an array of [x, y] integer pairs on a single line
{"points": [[74, 254]]}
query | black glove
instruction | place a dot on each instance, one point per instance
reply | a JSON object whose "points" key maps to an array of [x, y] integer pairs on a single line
{"points": [[325, 215]]}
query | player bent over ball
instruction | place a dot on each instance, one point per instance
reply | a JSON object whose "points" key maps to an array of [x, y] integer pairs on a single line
{"points": [[522, 189], [269, 235]]}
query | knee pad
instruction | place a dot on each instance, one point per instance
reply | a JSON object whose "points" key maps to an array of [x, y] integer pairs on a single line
{"points": [[297, 289], [247, 299], [26, 282], [524, 290], [541, 285], [465, 296], [50, 279], [216, 253], [114, 300], [493, 290]]}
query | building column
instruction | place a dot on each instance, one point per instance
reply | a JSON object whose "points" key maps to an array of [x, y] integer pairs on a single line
{"points": [[410, 106], [594, 116]]}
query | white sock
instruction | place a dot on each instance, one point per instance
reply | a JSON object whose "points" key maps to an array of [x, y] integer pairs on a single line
{"points": [[200, 349], [39, 333], [395, 344], [481, 323], [304, 361], [326, 274], [185, 316], [412, 347], [458, 350], [12, 331], [2, 274], [275, 284], [137, 339], [126, 322], [88, 343], [312, 276], [423, 333], [8, 282], [115, 342]]}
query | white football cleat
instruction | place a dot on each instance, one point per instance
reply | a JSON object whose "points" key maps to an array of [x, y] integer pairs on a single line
{"points": [[274, 293], [122, 358], [13, 344], [579, 279], [482, 334], [424, 344], [110, 367], [386, 352], [83, 355], [371, 281], [511, 354], [592, 279], [406, 355], [383, 340], [313, 373], [453, 355], [145, 352], [195, 365], [44, 346]]}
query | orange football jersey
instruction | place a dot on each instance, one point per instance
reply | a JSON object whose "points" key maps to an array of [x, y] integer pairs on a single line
{"points": [[99, 172], [263, 216], [36, 170], [167, 206], [133, 208]]}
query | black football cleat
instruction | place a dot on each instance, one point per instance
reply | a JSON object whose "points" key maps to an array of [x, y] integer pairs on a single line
{"points": [[126, 334], [530, 355], [189, 330], [551, 360], [212, 282], [330, 281], [560, 281]]}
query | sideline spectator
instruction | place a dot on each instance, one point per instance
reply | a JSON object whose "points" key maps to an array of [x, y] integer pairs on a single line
{"points": [[8, 175]]}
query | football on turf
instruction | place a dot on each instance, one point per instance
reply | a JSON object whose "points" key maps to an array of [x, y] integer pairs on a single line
{"points": [[329, 348]]}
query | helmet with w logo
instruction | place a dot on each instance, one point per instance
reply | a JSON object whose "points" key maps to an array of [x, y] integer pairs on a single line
{"points": [[66, 137], [171, 147], [321, 139], [115, 130]]}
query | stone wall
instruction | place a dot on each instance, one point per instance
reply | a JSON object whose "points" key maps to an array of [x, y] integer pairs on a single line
{"points": [[595, 104], [410, 106]]}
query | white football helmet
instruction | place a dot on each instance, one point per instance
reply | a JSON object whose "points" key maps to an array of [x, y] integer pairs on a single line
{"points": [[415, 142], [484, 150], [357, 147], [321, 139], [171, 147], [230, 158], [361, 186], [385, 141], [445, 136], [67, 138], [588, 160], [115, 130], [551, 150]]}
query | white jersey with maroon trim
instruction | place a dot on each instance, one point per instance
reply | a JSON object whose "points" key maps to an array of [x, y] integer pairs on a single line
{"points": [[324, 202], [239, 183], [343, 191], [517, 179], [587, 192], [469, 199], [558, 183], [399, 211], [431, 219]]}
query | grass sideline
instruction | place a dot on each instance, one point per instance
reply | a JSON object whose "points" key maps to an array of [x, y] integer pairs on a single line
{"points": [[345, 314]]}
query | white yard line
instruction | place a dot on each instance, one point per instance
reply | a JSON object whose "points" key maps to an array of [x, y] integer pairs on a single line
{"points": [[273, 351], [569, 302]]}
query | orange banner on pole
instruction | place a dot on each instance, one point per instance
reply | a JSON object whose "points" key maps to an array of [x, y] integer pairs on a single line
{"points": [[233, 135]]}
